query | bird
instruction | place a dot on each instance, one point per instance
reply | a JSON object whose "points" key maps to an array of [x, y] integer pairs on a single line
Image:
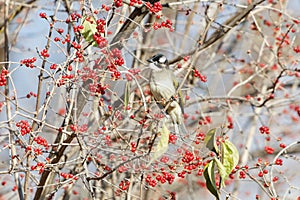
{"points": [[164, 86]]}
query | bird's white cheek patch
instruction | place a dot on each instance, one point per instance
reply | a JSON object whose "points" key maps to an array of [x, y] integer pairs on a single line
{"points": [[162, 59]]}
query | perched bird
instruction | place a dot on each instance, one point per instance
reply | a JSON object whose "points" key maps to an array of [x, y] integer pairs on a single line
{"points": [[163, 86]]}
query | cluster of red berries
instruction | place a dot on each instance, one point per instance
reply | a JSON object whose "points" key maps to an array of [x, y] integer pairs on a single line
{"points": [[101, 41], [172, 138], [24, 126], [278, 161], [203, 78], [282, 145], [205, 121], [88, 73], [74, 16], [101, 89], [115, 73], [66, 40], [122, 169], [60, 30], [242, 173], [38, 151], [124, 185], [295, 108], [63, 79], [43, 15], [297, 49], [188, 157], [155, 8], [152, 182], [108, 141], [57, 39], [3, 75], [41, 141], [68, 76], [230, 121], [107, 168], [181, 174], [79, 52], [76, 45], [199, 137], [262, 173], [100, 25], [133, 72], [133, 147], [164, 159], [44, 53], [118, 3], [164, 177], [68, 176], [200, 172], [132, 2], [269, 150], [275, 179], [28, 62], [83, 128], [73, 127], [97, 88], [116, 54], [283, 39], [264, 129], [40, 166], [78, 28], [104, 7], [167, 24], [31, 94], [192, 166]]}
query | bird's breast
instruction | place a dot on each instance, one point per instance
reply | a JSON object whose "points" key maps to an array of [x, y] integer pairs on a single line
{"points": [[161, 85]]}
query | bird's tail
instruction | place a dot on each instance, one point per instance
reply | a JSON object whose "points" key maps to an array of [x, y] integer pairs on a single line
{"points": [[183, 134]]}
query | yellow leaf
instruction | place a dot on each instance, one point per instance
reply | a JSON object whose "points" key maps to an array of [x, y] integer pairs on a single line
{"points": [[163, 143]]}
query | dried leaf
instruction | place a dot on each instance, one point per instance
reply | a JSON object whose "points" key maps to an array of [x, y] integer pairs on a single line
{"points": [[126, 95], [162, 145]]}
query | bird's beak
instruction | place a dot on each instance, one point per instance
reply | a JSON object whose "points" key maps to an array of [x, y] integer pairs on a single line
{"points": [[150, 60]]}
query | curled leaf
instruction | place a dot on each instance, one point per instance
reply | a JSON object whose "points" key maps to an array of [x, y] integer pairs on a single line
{"points": [[210, 141], [222, 170], [209, 176]]}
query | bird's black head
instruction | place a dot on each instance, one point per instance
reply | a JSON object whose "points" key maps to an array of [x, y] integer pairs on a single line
{"points": [[158, 59]]}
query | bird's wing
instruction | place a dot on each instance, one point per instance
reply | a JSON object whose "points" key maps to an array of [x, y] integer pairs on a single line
{"points": [[176, 85]]}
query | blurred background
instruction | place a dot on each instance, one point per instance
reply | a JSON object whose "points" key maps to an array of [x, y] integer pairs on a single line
{"points": [[237, 60]]}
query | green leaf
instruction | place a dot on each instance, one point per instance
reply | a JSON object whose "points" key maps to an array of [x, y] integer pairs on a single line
{"points": [[222, 171], [163, 143], [210, 141], [209, 176], [230, 156], [126, 95], [89, 29]]}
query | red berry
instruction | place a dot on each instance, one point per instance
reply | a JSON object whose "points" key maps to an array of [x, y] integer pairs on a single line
{"points": [[43, 15]]}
